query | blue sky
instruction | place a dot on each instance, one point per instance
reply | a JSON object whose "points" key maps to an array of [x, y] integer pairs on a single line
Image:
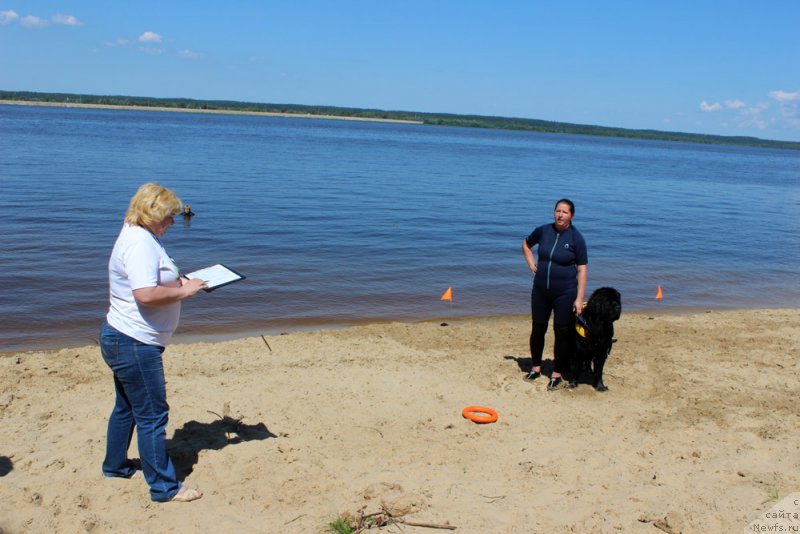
{"points": [[728, 68]]}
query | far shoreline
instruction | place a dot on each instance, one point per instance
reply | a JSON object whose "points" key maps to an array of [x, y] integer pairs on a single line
{"points": [[204, 111], [323, 111]]}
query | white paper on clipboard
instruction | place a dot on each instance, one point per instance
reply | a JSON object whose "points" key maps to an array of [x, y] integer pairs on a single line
{"points": [[215, 276]]}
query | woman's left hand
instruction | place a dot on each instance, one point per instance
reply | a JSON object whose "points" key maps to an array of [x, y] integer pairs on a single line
{"points": [[577, 306]]}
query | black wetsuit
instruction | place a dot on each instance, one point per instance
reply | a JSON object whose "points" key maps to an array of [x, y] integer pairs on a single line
{"points": [[555, 288]]}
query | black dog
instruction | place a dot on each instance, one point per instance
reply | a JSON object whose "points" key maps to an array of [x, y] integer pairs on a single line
{"points": [[595, 335]]}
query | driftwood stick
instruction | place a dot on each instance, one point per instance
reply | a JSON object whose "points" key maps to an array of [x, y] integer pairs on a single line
{"points": [[265, 342], [385, 518], [295, 519], [426, 525]]}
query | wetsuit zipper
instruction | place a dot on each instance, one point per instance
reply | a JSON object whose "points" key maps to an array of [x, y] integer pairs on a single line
{"points": [[550, 263]]}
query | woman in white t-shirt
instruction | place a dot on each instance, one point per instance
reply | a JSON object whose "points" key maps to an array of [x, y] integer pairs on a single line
{"points": [[145, 292]]}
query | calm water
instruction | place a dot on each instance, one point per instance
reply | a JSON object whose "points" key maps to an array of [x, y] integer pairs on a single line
{"points": [[335, 222]]}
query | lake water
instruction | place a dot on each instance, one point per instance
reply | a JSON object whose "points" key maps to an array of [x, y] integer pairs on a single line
{"points": [[339, 222]]}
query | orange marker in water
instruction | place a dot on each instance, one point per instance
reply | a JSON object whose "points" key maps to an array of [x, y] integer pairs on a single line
{"points": [[448, 295], [659, 295]]}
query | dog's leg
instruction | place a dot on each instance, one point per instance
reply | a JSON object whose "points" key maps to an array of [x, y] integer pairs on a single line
{"points": [[599, 362], [601, 356]]}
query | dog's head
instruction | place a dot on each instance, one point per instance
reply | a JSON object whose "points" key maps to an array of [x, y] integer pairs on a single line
{"points": [[605, 304]]}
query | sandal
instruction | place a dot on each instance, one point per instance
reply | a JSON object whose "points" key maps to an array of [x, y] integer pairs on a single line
{"points": [[555, 383], [186, 494]]}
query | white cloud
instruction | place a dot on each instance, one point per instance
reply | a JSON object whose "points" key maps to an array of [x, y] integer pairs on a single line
{"points": [[152, 51], [118, 42], [781, 111], [788, 105], [705, 106], [783, 96], [754, 114], [190, 54], [7, 17], [789, 111], [33, 22], [758, 122], [150, 37], [67, 20]]}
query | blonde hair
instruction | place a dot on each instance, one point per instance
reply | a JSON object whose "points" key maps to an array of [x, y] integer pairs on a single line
{"points": [[151, 204]]}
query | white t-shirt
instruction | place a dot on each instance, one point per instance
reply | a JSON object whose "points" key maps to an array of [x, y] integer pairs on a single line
{"points": [[138, 261]]}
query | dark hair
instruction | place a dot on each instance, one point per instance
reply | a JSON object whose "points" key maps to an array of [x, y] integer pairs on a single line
{"points": [[568, 202]]}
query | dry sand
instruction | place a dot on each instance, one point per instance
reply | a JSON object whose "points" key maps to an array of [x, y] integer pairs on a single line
{"points": [[698, 433]]}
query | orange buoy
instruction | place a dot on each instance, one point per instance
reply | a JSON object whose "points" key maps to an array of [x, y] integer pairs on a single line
{"points": [[473, 413], [659, 294]]}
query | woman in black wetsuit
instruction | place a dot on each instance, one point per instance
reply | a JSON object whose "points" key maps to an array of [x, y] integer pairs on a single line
{"points": [[559, 284]]}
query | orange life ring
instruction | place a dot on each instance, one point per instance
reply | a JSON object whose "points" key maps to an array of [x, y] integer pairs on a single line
{"points": [[471, 413]]}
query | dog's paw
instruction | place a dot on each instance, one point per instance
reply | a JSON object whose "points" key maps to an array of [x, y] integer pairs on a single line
{"points": [[601, 387]]}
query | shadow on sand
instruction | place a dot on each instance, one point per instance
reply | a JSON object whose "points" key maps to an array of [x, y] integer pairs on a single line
{"points": [[524, 364], [193, 437]]}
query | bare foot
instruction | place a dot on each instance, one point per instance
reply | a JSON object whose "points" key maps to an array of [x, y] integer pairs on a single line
{"points": [[187, 494]]}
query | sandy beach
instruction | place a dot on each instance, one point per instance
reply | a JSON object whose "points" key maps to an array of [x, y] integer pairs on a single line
{"points": [[198, 110], [698, 433]]}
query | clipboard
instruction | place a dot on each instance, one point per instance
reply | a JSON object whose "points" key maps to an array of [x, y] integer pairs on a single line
{"points": [[215, 276]]}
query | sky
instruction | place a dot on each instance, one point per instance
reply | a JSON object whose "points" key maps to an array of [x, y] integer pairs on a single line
{"points": [[703, 66]]}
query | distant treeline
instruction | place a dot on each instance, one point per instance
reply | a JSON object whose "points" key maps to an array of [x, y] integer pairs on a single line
{"points": [[438, 119]]}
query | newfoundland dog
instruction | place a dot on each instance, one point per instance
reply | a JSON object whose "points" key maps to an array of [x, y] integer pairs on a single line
{"points": [[595, 335]]}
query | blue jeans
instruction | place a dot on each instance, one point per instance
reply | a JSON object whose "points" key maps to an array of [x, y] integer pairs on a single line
{"points": [[141, 403]]}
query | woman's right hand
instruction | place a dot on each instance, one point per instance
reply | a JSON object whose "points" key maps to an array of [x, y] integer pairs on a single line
{"points": [[527, 253], [192, 286]]}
